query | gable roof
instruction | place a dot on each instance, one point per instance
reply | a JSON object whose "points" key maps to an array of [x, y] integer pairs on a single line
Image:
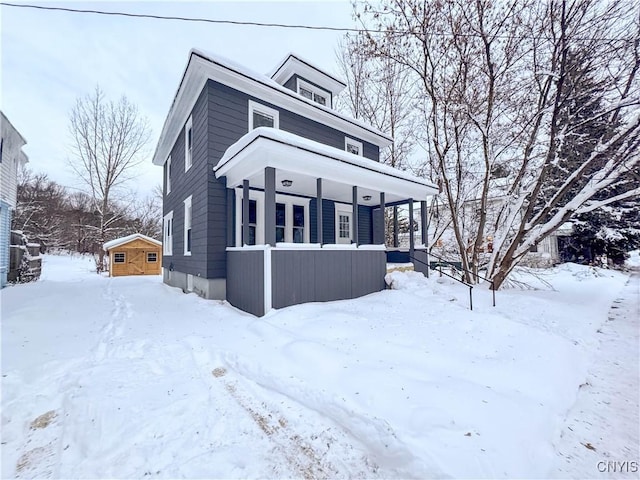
{"points": [[129, 238], [203, 66]]}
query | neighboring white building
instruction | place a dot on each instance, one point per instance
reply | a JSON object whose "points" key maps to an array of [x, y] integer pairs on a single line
{"points": [[11, 159]]}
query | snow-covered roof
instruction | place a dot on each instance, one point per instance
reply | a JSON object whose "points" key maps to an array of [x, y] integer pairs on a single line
{"points": [[202, 66], [308, 160], [294, 64], [135, 236]]}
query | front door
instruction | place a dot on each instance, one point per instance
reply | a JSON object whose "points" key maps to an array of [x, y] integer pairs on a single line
{"points": [[344, 227], [135, 263]]}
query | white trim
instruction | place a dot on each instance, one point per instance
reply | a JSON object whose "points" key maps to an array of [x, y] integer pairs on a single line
{"points": [[355, 143], [188, 225], [202, 66], [260, 108], [300, 83], [168, 181], [284, 151], [167, 234], [344, 209], [288, 200], [293, 64], [267, 280], [188, 154]]}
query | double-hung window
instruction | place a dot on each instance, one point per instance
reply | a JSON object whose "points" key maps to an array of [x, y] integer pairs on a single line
{"points": [[298, 224], [262, 116], [188, 144], [167, 236], [281, 221], [187, 226], [253, 221]]}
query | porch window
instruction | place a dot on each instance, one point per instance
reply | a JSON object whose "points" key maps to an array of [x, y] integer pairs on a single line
{"points": [[281, 221], [291, 222], [262, 116], [188, 144], [118, 257], [253, 219], [298, 224], [152, 257], [187, 226]]}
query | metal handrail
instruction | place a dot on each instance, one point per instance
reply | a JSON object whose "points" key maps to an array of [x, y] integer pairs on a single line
{"points": [[493, 290], [450, 276]]}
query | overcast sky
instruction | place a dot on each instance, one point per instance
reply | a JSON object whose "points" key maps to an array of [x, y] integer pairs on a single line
{"points": [[51, 58]]}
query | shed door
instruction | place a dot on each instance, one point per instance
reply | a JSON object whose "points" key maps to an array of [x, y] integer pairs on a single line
{"points": [[136, 262]]}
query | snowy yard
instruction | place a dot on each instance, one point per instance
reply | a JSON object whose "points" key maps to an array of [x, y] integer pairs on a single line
{"points": [[129, 378]]}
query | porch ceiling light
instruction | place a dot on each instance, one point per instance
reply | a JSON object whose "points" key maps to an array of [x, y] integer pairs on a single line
{"points": [[287, 183], [366, 198]]}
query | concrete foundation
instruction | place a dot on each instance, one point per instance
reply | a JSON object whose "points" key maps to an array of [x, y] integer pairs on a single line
{"points": [[209, 288]]}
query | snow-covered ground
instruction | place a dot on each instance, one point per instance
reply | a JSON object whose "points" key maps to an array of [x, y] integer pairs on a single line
{"points": [[129, 378]]}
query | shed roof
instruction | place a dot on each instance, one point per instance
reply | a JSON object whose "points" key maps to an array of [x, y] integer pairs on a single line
{"points": [[129, 238]]}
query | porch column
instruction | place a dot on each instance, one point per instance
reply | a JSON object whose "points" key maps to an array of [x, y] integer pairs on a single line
{"points": [[319, 216], [245, 212], [355, 214], [395, 226], [411, 225], [382, 225], [425, 233], [270, 206], [425, 225]]}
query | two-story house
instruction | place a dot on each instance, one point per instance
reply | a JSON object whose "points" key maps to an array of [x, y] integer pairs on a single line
{"points": [[11, 159], [271, 196]]}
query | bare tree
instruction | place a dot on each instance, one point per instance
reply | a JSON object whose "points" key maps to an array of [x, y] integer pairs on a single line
{"points": [[494, 79], [108, 141]]}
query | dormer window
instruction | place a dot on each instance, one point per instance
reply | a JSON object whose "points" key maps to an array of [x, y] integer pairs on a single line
{"points": [[314, 93]]}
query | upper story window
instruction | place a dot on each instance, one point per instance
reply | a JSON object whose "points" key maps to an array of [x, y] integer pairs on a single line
{"points": [[353, 146], [187, 226], [314, 93], [168, 175], [262, 116], [188, 144]]}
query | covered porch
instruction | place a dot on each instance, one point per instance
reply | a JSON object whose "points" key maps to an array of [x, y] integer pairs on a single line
{"points": [[307, 220]]}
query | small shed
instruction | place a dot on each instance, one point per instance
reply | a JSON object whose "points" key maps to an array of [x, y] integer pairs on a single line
{"points": [[135, 254]]}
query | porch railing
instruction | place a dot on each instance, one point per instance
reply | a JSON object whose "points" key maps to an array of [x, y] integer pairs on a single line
{"points": [[454, 265]]}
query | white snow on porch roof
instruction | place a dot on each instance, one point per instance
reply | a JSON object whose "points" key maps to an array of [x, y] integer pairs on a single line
{"points": [[269, 147]]}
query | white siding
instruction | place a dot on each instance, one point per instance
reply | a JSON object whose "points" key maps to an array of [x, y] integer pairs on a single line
{"points": [[12, 158]]}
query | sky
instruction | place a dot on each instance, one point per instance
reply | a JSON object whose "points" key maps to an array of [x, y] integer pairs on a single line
{"points": [[49, 59]]}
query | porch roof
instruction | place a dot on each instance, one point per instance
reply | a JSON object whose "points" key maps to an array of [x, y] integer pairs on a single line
{"points": [[303, 161]]}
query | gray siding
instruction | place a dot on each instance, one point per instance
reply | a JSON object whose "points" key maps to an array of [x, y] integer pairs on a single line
{"points": [[245, 282], [220, 118], [184, 184], [300, 276], [365, 222]]}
